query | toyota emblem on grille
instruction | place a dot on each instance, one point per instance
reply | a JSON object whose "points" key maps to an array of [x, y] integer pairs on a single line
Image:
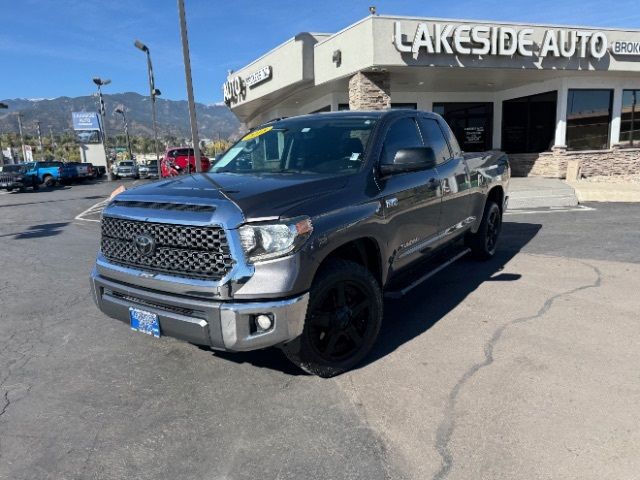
{"points": [[145, 244]]}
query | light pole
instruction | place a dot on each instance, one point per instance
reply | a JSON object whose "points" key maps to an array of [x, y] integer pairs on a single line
{"points": [[100, 82], [121, 111], [53, 145], [24, 152], [187, 74], [153, 91], [2, 107]]}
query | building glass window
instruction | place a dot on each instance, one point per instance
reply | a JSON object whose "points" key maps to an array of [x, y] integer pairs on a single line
{"points": [[630, 120], [323, 109], [412, 106], [343, 106], [529, 123], [471, 123], [588, 119]]}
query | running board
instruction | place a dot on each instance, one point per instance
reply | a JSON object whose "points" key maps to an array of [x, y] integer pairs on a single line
{"points": [[402, 292]]}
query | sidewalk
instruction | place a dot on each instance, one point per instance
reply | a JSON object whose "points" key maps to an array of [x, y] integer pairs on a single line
{"points": [[606, 192], [536, 192]]}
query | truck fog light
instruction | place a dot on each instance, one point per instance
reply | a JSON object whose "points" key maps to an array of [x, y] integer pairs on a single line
{"points": [[263, 322]]}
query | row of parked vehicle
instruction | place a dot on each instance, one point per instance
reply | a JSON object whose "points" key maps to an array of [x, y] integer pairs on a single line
{"points": [[176, 161], [51, 173]]}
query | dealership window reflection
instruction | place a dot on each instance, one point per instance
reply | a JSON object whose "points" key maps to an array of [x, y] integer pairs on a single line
{"points": [[588, 119], [630, 120]]}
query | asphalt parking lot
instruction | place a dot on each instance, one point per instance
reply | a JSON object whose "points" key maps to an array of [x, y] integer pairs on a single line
{"points": [[525, 367]]}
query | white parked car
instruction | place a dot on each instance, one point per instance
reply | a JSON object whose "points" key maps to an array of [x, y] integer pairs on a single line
{"points": [[126, 169]]}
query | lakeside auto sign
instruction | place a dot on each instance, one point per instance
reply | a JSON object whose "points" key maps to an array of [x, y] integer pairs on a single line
{"points": [[234, 89], [468, 39], [85, 121]]}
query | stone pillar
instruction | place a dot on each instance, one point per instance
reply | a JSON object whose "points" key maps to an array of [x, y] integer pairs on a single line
{"points": [[370, 91]]}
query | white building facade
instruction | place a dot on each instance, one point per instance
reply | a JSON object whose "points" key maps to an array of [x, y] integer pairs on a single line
{"points": [[546, 94]]}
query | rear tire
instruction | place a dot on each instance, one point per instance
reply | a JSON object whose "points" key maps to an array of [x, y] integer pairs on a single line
{"points": [[483, 243], [342, 322]]}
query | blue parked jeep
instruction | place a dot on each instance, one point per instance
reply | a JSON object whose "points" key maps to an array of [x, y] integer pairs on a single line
{"points": [[18, 177]]}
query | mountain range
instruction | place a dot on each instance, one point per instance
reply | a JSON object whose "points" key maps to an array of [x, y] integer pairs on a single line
{"points": [[172, 116]]}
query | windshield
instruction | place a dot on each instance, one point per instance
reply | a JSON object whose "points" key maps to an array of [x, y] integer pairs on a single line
{"points": [[318, 145], [125, 164]]}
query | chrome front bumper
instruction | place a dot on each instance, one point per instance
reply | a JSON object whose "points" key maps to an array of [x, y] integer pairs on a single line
{"points": [[220, 325]]}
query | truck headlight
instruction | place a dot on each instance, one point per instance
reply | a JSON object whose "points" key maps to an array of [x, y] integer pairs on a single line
{"points": [[262, 242]]}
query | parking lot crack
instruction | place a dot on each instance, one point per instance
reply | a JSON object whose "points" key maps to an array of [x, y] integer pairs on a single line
{"points": [[447, 425]]}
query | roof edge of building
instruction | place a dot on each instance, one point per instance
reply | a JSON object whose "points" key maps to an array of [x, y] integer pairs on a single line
{"points": [[500, 22], [295, 38]]}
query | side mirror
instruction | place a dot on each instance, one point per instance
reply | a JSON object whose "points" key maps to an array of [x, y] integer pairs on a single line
{"points": [[409, 160]]}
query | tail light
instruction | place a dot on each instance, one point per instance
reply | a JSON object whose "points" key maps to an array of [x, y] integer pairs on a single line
{"points": [[60, 171], [90, 169]]}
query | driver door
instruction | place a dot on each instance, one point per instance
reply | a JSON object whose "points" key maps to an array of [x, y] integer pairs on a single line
{"points": [[410, 201]]}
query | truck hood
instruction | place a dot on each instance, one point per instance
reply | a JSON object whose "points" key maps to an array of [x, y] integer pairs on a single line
{"points": [[258, 196]]}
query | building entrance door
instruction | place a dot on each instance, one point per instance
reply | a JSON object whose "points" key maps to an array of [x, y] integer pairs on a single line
{"points": [[471, 123], [529, 123]]}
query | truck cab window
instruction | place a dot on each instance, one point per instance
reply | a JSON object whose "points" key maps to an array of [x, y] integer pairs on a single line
{"points": [[434, 138], [402, 134]]}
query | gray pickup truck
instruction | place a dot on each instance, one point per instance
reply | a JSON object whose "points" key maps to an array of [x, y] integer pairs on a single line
{"points": [[296, 234]]}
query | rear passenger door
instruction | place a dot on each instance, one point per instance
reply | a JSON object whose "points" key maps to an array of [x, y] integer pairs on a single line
{"points": [[455, 214], [411, 201]]}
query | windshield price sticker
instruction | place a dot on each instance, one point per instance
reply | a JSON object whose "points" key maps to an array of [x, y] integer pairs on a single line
{"points": [[256, 133]]}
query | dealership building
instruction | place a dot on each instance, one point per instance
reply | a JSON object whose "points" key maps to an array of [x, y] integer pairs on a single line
{"points": [[546, 94]]}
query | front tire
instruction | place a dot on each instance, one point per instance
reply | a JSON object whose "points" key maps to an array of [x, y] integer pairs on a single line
{"points": [[483, 243], [342, 322], [49, 181]]}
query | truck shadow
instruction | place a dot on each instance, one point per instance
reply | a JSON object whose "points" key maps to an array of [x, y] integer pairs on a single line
{"points": [[423, 307]]}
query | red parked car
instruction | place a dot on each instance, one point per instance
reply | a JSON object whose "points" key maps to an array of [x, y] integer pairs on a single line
{"points": [[181, 161]]}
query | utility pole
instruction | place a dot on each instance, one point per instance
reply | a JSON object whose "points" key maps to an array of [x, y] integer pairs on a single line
{"points": [[121, 111], [24, 152], [40, 142], [2, 107], [53, 144], [187, 73]]}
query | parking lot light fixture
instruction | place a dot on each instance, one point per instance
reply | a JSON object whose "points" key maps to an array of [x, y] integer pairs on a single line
{"points": [[153, 92], [100, 82]]}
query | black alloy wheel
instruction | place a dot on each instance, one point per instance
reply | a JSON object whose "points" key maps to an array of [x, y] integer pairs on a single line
{"points": [[493, 230], [342, 322], [483, 243], [339, 319]]}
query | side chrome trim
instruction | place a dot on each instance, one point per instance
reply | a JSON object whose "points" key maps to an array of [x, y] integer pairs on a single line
{"points": [[421, 245]]}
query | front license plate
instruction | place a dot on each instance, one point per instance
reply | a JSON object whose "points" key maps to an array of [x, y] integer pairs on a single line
{"points": [[145, 322]]}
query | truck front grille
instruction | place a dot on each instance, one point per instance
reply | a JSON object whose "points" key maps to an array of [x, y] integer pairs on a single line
{"points": [[182, 250]]}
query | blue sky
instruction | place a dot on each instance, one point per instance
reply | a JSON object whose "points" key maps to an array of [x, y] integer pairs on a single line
{"points": [[53, 48]]}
